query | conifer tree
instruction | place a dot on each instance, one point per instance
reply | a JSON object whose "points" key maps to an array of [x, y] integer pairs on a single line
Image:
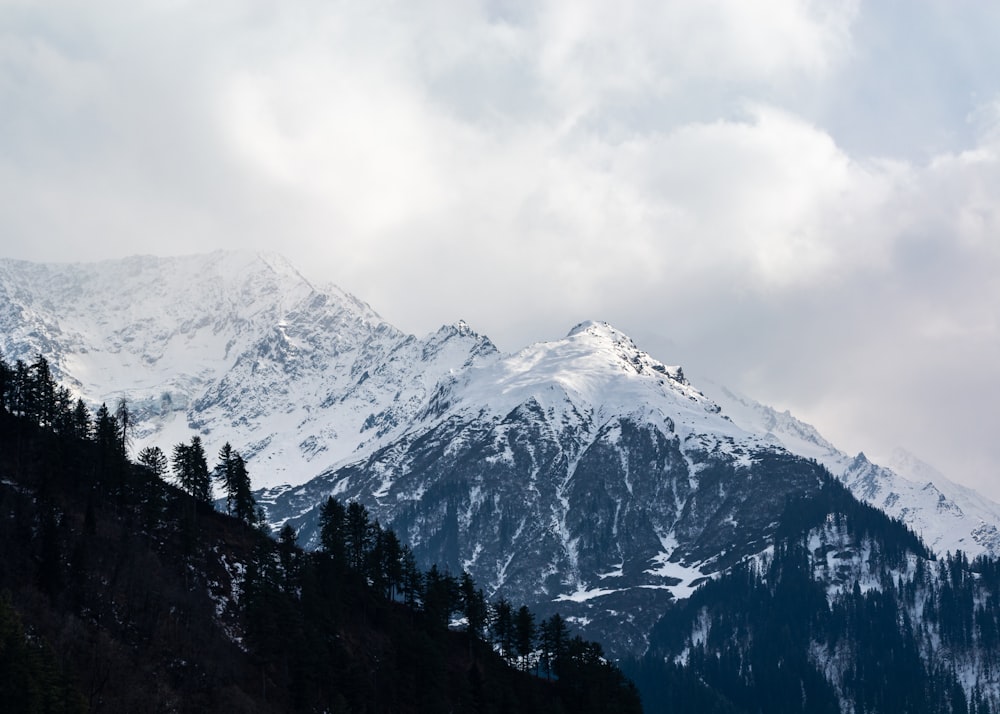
{"points": [[473, 605], [413, 579], [225, 474], [231, 473], [376, 566], [126, 425], [288, 556], [552, 638], [524, 634], [105, 432], [244, 504], [111, 465], [358, 535], [150, 489], [502, 627], [191, 470], [63, 420], [391, 561], [19, 390], [153, 458], [441, 596], [332, 538], [80, 425], [41, 391]]}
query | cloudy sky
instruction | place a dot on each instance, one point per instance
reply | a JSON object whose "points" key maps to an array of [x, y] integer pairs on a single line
{"points": [[798, 199]]}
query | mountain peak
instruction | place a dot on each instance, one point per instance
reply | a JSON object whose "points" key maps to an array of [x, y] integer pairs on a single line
{"points": [[459, 336], [601, 334], [460, 329], [598, 328]]}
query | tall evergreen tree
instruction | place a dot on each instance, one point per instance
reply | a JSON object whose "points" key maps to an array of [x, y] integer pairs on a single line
{"points": [[358, 535], [502, 627], [126, 424], [20, 392], [332, 525], [289, 557], [552, 637], [473, 605], [441, 597], [111, 463], [392, 562], [191, 470], [225, 475], [63, 421], [41, 389], [244, 504], [413, 579], [150, 489], [106, 432], [524, 634], [80, 426]]}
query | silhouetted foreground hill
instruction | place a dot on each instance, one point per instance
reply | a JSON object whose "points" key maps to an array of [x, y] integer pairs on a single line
{"points": [[123, 593]]}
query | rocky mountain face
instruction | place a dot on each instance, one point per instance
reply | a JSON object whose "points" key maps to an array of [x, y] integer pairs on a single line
{"points": [[580, 475], [595, 481], [238, 347]]}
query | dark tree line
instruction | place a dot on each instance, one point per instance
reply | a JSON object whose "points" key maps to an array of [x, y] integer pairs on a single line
{"points": [[32, 393], [355, 547], [116, 565]]}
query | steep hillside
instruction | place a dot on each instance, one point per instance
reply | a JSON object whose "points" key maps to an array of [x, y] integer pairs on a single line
{"points": [[846, 613], [121, 593]]}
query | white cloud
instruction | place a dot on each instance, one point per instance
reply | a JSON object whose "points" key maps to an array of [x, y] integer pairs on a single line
{"points": [[783, 198]]}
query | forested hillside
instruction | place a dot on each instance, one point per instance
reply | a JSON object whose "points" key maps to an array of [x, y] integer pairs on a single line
{"points": [[121, 592], [848, 612]]}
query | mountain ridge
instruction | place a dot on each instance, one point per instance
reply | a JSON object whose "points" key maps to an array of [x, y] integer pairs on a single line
{"points": [[241, 346], [579, 474], [949, 516]]}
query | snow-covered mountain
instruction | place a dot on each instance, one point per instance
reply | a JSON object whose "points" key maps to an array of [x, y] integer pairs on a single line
{"points": [[948, 516], [584, 476], [236, 346], [580, 475]]}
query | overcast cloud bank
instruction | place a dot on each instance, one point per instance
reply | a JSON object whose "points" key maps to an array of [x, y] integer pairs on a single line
{"points": [[800, 203]]}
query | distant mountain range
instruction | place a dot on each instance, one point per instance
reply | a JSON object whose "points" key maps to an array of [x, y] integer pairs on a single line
{"points": [[581, 474], [948, 516], [236, 346]]}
